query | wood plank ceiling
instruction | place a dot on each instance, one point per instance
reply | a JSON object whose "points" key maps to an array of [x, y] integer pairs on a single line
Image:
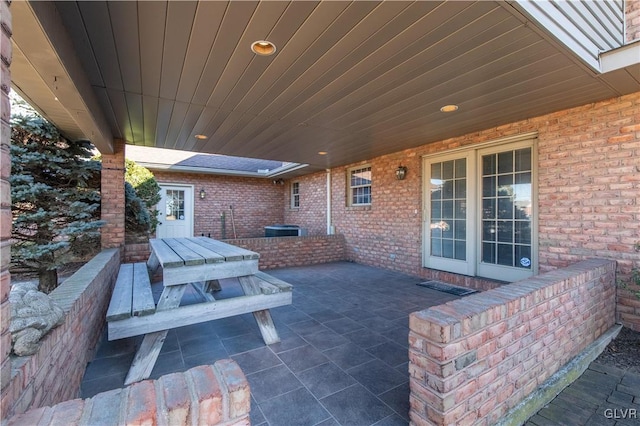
{"points": [[354, 79]]}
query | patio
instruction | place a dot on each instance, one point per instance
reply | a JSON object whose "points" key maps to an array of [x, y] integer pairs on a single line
{"points": [[342, 358]]}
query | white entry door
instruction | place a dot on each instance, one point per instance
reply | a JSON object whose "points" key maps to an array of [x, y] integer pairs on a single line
{"points": [[176, 212]]}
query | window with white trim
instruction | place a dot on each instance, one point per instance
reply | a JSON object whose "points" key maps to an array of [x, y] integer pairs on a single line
{"points": [[359, 186], [480, 211], [295, 195]]}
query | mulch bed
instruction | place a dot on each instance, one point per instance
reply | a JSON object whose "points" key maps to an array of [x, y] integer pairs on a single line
{"points": [[623, 352]]}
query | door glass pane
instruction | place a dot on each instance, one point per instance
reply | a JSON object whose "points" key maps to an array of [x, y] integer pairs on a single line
{"points": [[447, 248], [447, 189], [523, 160], [505, 254], [507, 208], [460, 229], [461, 250], [489, 165], [505, 231], [505, 162], [488, 253], [489, 186], [436, 209], [174, 207], [461, 188], [488, 230], [448, 209], [436, 245], [522, 232]]}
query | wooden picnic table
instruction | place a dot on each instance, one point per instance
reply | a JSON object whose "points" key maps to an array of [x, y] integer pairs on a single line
{"points": [[199, 262]]}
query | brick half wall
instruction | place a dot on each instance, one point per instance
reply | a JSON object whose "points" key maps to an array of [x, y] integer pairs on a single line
{"points": [[54, 373], [283, 252], [474, 359], [206, 395]]}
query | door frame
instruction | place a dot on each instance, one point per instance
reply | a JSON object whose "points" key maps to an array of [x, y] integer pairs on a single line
{"points": [[191, 204], [476, 151]]}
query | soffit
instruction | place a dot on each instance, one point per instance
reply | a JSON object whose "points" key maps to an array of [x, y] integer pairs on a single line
{"points": [[354, 79]]}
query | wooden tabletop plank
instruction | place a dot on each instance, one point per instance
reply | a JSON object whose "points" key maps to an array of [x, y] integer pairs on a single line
{"points": [[229, 251], [209, 255], [189, 256], [166, 256]]}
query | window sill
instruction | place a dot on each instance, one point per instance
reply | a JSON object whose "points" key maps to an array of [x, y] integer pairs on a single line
{"points": [[366, 207]]}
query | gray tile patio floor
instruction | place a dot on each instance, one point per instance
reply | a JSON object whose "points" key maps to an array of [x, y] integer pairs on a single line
{"points": [[342, 358]]}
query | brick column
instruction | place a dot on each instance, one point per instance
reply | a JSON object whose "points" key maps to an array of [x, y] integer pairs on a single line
{"points": [[5, 195], [632, 19], [113, 196]]}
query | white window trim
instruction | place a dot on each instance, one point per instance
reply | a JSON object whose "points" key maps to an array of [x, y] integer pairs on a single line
{"points": [[293, 196], [350, 188], [473, 154]]}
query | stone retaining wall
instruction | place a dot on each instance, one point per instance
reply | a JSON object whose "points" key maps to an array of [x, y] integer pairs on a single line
{"points": [[206, 395], [474, 359], [54, 373]]}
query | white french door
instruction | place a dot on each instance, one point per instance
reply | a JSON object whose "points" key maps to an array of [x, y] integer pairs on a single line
{"points": [[449, 223], [480, 212], [175, 211]]}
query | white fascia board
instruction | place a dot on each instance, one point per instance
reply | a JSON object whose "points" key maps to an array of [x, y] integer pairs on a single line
{"points": [[622, 57], [224, 172]]}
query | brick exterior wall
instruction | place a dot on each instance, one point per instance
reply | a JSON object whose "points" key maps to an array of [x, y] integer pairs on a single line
{"points": [[256, 203], [588, 186], [112, 193], [312, 213], [283, 252], [473, 359], [138, 252], [54, 373], [387, 233], [207, 395], [5, 196], [632, 20]]}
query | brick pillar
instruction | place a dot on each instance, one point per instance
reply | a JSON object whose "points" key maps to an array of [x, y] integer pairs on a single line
{"points": [[632, 19], [5, 196], [113, 196]]}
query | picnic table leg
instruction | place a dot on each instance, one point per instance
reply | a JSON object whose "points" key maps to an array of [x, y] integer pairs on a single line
{"points": [[263, 318], [212, 285], [201, 289], [152, 264], [147, 354]]}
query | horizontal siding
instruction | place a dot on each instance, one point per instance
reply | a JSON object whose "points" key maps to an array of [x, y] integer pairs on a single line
{"points": [[586, 27]]}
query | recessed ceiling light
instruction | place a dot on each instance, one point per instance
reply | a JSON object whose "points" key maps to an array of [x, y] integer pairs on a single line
{"points": [[322, 153], [449, 108], [201, 137], [263, 48]]}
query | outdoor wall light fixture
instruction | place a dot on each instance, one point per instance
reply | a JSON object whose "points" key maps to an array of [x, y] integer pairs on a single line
{"points": [[278, 182], [202, 194], [401, 172]]}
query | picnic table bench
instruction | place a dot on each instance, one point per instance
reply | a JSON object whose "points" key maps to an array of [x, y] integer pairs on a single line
{"points": [[199, 262]]}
